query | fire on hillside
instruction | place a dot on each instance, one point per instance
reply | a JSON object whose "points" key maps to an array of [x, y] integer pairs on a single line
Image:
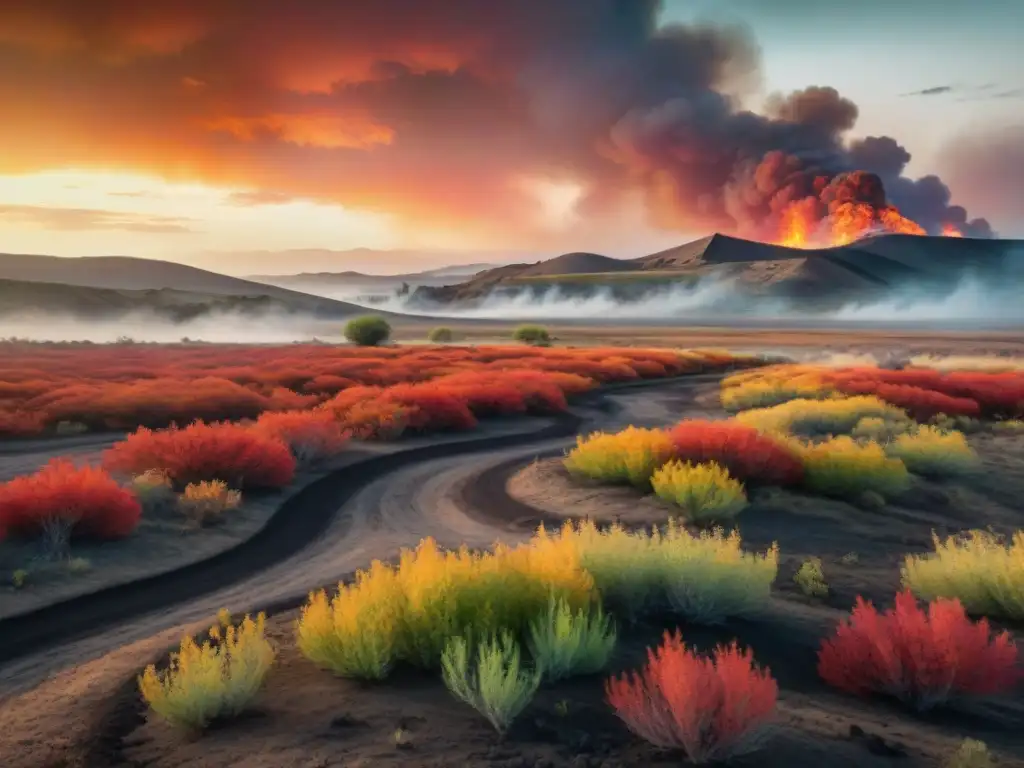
{"points": [[844, 209]]}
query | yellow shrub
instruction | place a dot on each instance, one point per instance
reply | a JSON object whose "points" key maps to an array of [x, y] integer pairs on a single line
{"points": [[629, 456], [772, 389], [981, 571], [1010, 425], [207, 501], [880, 430], [933, 452], [820, 417], [843, 467], [705, 578], [703, 492], [154, 491], [214, 680], [355, 633], [412, 611]]}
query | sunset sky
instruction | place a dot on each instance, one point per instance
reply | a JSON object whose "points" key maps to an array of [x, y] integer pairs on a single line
{"points": [[222, 133]]}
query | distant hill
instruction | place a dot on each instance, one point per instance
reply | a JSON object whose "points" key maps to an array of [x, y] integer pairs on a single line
{"points": [[132, 282], [869, 265], [311, 282]]}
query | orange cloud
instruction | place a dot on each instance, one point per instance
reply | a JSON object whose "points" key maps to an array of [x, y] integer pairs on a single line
{"points": [[429, 110], [308, 130]]}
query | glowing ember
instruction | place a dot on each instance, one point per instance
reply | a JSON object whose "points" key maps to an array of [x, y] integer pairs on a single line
{"points": [[948, 230]]}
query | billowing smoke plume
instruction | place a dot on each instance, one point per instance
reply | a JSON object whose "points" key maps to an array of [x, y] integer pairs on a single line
{"points": [[429, 109]]}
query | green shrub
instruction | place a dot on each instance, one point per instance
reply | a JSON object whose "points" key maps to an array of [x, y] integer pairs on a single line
{"points": [[368, 331], [843, 468], [981, 570], [705, 578], [536, 335], [498, 688], [440, 335], [566, 643], [703, 492], [934, 452], [811, 578]]}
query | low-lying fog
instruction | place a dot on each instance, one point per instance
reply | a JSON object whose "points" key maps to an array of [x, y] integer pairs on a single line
{"points": [[973, 304]]}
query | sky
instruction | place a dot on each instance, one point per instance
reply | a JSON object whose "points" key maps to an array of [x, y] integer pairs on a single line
{"points": [[272, 137]]}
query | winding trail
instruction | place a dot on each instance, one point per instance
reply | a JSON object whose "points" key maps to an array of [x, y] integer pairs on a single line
{"points": [[336, 526]]}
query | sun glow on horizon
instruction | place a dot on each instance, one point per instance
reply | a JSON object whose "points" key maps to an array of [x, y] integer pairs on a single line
{"points": [[83, 212]]}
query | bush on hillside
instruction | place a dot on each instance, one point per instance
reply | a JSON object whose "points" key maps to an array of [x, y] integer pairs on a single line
{"points": [[368, 331], [934, 452]]}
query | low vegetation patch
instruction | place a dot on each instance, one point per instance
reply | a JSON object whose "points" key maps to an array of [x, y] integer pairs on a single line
{"points": [[934, 452], [232, 453], [748, 455], [704, 577], [312, 436], [215, 680], [923, 658], [981, 570], [711, 708], [206, 502], [629, 457], [565, 642], [810, 578], [62, 501], [536, 335], [703, 493], [819, 418], [843, 468], [495, 683]]}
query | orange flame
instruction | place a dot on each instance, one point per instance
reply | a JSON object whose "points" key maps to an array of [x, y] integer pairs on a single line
{"points": [[799, 226]]}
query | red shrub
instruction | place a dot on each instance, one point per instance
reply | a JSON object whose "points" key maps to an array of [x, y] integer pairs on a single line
{"points": [[920, 658], [748, 455], [711, 708], [312, 436], [86, 499], [327, 384], [430, 407], [921, 404], [229, 452], [375, 420]]}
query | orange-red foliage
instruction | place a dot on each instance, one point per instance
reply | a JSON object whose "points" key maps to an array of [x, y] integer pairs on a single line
{"points": [[711, 708], [86, 498], [973, 393], [922, 658], [128, 385], [311, 435], [375, 420], [20, 424], [748, 455], [236, 454], [921, 404]]}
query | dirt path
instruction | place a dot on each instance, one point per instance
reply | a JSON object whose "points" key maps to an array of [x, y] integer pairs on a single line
{"points": [[396, 510]]}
